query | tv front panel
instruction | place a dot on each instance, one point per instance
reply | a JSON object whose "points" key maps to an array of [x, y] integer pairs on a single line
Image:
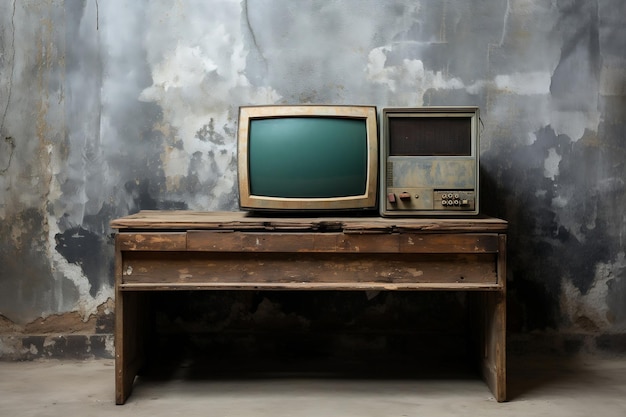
{"points": [[307, 158], [429, 161]]}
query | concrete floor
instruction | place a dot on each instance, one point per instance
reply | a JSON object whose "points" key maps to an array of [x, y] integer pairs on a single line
{"points": [[537, 387]]}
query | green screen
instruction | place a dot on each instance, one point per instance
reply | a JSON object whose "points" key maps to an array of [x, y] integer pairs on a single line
{"points": [[307, 157]]}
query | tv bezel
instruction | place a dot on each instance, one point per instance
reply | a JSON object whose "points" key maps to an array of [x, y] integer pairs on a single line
{"points": [[365, 201]]}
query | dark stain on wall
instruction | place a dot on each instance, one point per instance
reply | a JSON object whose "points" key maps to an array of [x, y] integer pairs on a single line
{"points": [[208, 134], [547, 247], [145, 194], [61, 347], [88, 250], [141, 194]]}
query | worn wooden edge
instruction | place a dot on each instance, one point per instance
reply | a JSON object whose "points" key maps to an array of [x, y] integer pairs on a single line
{"points": [[501, 262], [121, 388], [501, 390], [338, 286], [151, 241], [185, 220]]}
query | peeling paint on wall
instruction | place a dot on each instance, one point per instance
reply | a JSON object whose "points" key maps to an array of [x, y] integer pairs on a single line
{"points": [[107, 108], [60, 336]]}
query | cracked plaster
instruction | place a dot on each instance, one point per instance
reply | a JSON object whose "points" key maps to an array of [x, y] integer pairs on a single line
{"points": [[112, 107]]}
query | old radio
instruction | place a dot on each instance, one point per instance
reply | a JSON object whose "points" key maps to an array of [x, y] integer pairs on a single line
{"points": [[430, 161]]}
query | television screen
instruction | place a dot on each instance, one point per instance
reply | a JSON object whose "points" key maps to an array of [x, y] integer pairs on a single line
{"points": [[307, 157]]}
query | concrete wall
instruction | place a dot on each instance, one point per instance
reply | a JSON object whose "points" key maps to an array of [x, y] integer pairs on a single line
{"points": [[110, 107]]}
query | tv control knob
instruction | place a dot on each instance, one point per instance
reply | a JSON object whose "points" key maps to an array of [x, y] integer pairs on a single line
{"points": [[391, 197], [405, 196]]}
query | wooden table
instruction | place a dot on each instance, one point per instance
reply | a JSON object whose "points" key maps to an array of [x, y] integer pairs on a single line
{"points": [[184, 250]]}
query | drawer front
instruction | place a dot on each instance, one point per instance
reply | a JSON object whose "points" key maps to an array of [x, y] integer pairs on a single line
{"points": [[304, 269], [342, 243]]}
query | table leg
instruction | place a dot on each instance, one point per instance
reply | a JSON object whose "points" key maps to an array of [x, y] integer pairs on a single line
{"points": [[129, 341], [492, 341]]}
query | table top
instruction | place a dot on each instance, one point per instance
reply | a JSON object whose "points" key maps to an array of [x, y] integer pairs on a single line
{"points": [[244, 221]]}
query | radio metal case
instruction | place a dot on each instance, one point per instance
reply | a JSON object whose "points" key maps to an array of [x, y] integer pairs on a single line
{"points": [[429, 161]]}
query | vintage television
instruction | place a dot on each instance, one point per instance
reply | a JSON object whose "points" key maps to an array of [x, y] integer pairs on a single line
{"points": [[308, 158], [429, 161]]}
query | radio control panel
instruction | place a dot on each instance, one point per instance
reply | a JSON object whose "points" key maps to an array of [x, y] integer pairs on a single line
{"points": [[424, 199], [454, 200]]}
